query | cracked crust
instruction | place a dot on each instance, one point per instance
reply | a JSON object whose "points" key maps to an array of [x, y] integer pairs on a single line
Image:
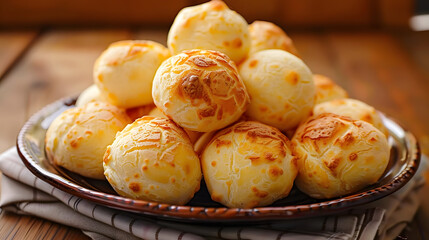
{"points": [[77, 139], [249, 164], [200, 90], [354, 109], [160, 154], [338, 155]]}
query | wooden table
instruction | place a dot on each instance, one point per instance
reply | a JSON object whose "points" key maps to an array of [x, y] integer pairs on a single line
{"points": [[388, 70]]}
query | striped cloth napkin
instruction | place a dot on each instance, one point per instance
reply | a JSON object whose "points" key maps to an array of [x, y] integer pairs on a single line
{"points": [[24, 193]]}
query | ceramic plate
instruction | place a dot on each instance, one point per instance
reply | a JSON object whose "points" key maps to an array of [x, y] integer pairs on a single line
{"points": [[404, 160]]}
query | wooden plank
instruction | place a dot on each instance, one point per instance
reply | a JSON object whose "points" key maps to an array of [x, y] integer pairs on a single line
{"points": [[27, 227], [417, 45], [395, 13], [12, 45], [88, 13], [58, 65], [328, 13], [8, 224], [267, 10], [303, 13]]}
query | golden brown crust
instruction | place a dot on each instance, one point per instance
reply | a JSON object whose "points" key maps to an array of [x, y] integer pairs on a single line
{"points": [[201, 83], [335, 155], [152, 159], [266, 35], [354, 109], [326, 89], [140, 111], [136, 47], [325, 126], [248, 164], [165, 124], [280, 86], [78, 138], [212, 26], [206, 81], [217, 5], [124, 72]]}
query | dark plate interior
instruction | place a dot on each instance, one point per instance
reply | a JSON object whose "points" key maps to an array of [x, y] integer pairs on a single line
{"points": [[404, 160]]}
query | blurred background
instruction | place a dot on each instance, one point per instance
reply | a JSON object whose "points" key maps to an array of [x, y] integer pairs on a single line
{"points": [[293, 14]]}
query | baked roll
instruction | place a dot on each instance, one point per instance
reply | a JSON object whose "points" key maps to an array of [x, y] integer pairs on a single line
{"points": [[248, 164], [280, 86], [354, 109], [91, 94], [155, 112], [124, 72], [327, 90], [266, 35], [202, 141], [338, 155], [77, 139], [211, 26], [200, 90], [140, 111], [152, 159]]}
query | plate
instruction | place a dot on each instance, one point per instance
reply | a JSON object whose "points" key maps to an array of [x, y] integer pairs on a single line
{"points": [[404, 160]]}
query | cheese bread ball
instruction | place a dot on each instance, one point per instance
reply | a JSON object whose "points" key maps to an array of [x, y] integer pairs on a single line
{"points": [[201, 143], [249, 164], [155, 112], [77, 139], [91, 94], [140, 111], [338, 155], [327, 90], [267, 35], [124, 72], [152, 159], [354, 109], [200, 90], [280, 86], [193, 136], [211, 26]]}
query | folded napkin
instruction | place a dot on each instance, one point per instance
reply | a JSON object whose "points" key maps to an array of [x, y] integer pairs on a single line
{"points": [[24, 193]]}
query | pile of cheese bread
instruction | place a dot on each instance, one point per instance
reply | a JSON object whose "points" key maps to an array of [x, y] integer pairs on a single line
{"points": [[227, 101]]}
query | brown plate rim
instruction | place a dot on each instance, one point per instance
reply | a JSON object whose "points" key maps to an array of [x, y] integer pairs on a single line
{"points": [[176, 212]]}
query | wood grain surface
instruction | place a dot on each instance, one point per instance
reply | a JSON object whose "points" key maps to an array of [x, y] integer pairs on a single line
{"points": [[13, 45], [291, 13], [14, 226], [388, 70]]}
